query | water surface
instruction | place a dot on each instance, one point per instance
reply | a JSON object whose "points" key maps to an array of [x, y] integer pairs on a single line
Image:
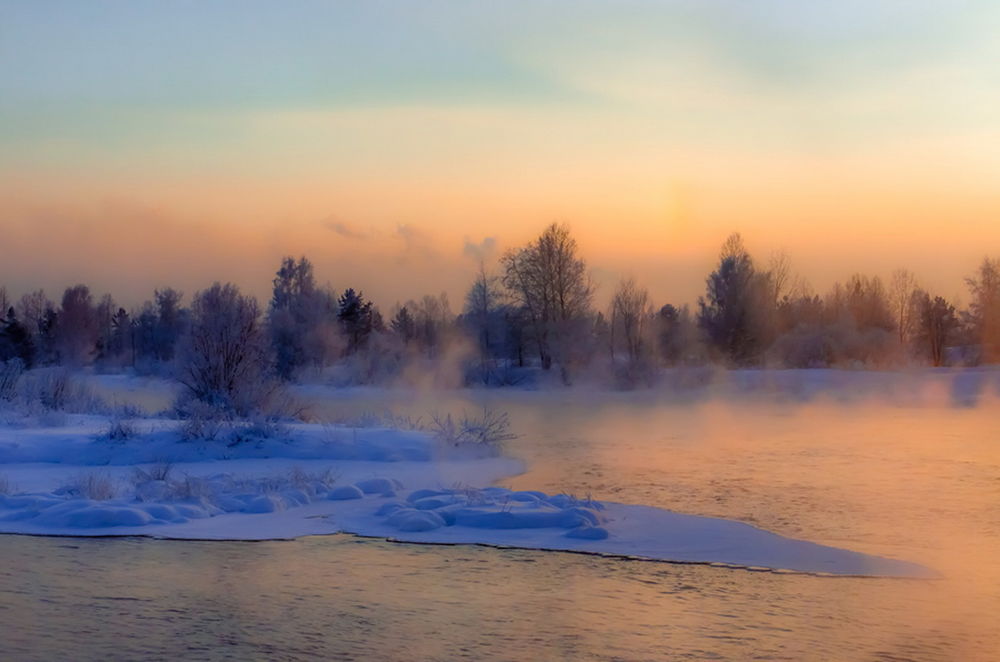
{"points": [[913, 478]]}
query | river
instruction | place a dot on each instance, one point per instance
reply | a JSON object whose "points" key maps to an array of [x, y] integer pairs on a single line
{"points": [[916, 478]]}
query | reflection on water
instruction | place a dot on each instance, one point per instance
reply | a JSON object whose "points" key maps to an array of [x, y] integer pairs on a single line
{"points": [[920, 483], [341, 598]]}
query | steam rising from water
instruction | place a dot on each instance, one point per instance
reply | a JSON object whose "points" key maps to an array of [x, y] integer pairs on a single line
{"points": [[900, 464]]}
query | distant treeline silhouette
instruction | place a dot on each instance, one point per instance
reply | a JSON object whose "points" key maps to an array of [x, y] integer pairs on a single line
{"points": [[533, 315]]}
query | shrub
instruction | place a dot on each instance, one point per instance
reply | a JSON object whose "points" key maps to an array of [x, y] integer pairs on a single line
{"points": [[10, 375], [204, 422], [255, 429], [55, 386], [120, 429], [223, 356], [304, 480], [488, 430], [201, 422], [93, 485], [189, 487], [382, 419], [4, 485], [158, 471], [55, 389]]}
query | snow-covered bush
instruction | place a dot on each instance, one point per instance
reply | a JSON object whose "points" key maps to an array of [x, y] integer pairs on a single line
{"points": [[257, 428], [488, 430], [304, 480], [474, 496], [4, 485], [201, 421], [382, 419], [57, 390], [128, 410], [188, 487], [159, 471], [204, 422], [44, 396], [230, 389], [92, 485], [10, 375], [120, 429], [54, 388], [223, 357]]}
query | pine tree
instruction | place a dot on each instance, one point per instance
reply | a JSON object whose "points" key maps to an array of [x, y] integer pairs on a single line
{"points": [[356, 317], [15, 340], [403, 325]]}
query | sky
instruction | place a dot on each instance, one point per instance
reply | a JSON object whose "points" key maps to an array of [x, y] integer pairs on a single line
{"points": [[397, 144]]}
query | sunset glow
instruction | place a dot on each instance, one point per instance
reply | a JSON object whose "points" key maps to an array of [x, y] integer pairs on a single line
{"points": [[389, 138]]}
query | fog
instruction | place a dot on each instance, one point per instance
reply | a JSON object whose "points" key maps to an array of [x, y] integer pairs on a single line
{"points": [[901, 464]]}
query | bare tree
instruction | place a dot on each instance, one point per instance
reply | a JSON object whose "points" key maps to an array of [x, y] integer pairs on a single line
{"points": [[222, 358], [865, 301], [550, 283], [630, 315], [935, 323], [902, 287], [31, 309], [779, 270], [432, 320], [984, 309], [482, 304]]}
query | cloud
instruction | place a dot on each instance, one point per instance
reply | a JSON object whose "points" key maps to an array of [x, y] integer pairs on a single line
{"points": [[343, 229], [417, 244], [484, 251]]}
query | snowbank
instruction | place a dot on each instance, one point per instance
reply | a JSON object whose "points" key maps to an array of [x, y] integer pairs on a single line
{"points": [[400, 485]]}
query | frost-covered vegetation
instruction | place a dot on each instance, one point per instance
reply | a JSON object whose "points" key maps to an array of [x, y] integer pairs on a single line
{"points": [[221, 475], [486, 430], [45, 396], [533, 317], [419, 497]]}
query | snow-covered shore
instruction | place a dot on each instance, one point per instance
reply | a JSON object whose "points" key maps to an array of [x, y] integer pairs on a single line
{"points": [[313, 479]]}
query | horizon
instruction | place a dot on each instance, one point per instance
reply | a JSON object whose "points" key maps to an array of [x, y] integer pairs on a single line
{"points": [[258, 279]]}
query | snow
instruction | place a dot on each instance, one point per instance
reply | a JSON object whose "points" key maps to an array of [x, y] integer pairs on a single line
{"points": [[314, 479]]}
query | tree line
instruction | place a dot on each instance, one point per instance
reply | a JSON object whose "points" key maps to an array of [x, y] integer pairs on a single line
{"points": [[533, 312]]}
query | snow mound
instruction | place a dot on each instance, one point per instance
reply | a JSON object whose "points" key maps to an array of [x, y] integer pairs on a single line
{"points": [[346, 492], [322, 480], [81, 441], [588, 533], [222, 506], [493, 508], [163, 502], [408, 519]]}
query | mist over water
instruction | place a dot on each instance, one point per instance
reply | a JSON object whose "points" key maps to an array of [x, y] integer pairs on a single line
{"points": [[905, 465]]}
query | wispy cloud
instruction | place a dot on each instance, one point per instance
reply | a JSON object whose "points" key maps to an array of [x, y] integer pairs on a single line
{"points": [[337, 226], [482, 251]]}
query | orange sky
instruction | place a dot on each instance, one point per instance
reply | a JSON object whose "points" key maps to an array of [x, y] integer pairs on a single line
{"points": [[395, 146]]}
